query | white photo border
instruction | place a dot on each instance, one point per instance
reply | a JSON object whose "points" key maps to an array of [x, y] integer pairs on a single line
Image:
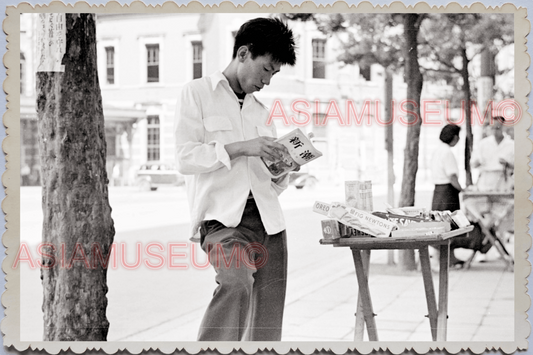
{"points": [[11, 203]]}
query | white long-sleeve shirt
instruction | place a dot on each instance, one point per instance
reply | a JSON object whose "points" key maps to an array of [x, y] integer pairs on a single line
{"points": [[488, 153], [208, 117], [493, 175]]}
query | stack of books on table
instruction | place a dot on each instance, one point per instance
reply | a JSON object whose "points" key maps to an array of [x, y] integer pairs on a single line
{"points": [[346, 220]]}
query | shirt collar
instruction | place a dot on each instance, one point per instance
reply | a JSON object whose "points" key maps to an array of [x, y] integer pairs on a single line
{"points": [[505, 138], [216, 78]]}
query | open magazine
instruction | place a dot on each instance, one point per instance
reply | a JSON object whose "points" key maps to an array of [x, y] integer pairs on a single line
{"points": [[301, 152]]}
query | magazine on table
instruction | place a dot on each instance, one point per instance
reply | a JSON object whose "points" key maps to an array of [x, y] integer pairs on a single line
{"points": [[301, 151]]}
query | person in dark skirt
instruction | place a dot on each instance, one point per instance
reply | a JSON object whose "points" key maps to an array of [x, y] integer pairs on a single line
{"points": [[445, 172]]}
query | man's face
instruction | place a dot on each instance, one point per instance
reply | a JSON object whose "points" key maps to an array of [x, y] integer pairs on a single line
{"points": [[254, 74], [497, 129], [454, 141]]}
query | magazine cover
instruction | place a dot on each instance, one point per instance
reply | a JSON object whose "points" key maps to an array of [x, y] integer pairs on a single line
{"points": [[301, 152]]}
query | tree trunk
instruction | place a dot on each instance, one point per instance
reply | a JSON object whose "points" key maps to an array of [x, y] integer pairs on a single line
{"points": [[389, 135], [469, 140], [414, 89], [77, 216], [389, 146]]}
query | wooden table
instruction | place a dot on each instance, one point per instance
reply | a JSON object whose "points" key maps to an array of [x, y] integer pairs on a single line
{"points": [[361, 247], [480, 207]]}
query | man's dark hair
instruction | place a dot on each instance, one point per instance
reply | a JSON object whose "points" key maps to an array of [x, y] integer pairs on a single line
{"points": [[449, 132], [267, 36], [499, 119]]}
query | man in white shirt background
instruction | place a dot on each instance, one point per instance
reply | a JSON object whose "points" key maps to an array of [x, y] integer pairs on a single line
{"points": [[221, 134], [494, 156]]}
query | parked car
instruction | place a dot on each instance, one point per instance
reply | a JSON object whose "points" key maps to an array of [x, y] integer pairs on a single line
{"points": [[302, 179], [152, 175]]}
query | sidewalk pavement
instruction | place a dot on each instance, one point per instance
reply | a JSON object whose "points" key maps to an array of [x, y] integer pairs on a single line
{"points": [[322, 294], [168, 304], [481, 305], [321, 305]]}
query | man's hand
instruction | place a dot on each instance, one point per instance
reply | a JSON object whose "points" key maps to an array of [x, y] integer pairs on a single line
{"points": [[265, 147], [506, 164]]}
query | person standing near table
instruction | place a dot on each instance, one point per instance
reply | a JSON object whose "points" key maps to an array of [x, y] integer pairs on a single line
{"points": [[221, 134], [494, 156], [445, 175]]}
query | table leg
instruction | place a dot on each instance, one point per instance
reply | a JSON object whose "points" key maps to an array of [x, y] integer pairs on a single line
{"points": [[495, 241], [442, 318], [430, 291], [359, 315], [468, 263], [364, 296], [359, 320]]}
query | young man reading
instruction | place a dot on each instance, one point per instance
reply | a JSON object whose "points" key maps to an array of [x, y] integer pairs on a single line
{"points": [[221, 134]]}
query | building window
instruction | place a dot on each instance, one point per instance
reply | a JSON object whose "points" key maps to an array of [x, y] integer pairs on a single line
{"points": [[110, 64], [319, 58], [153, 138], [152, 63], [22, 72], [28, 133], [197, 59], [111, 142], [29, 152]]}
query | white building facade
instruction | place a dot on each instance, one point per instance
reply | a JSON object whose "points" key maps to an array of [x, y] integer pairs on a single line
{"points": [[144, 60]]}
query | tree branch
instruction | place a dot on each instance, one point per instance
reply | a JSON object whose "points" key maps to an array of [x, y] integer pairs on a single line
{"points": [[439, 59], [451, 71], [419, 20]]}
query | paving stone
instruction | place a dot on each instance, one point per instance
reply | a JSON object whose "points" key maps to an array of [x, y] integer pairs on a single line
{"points": [[496, 333]]}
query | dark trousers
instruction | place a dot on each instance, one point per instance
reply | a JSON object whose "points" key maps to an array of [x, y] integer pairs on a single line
{"points": [[251, 273], [445, 198]]}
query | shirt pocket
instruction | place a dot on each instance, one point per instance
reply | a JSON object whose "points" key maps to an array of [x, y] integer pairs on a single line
{"points": [[264, 132], [217, 128]]}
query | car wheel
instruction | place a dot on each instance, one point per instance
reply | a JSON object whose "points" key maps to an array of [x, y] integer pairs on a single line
{"points": [[310, 182]]}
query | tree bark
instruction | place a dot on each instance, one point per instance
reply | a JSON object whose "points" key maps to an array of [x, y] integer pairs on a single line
{"points": [[469, 140], [77, 215], [414, 90], [389, 146]]}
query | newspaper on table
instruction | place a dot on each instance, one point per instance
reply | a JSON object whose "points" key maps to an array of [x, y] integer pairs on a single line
{"points": [[421, 229], [357, 219], [408, 211], [301, 151]]}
